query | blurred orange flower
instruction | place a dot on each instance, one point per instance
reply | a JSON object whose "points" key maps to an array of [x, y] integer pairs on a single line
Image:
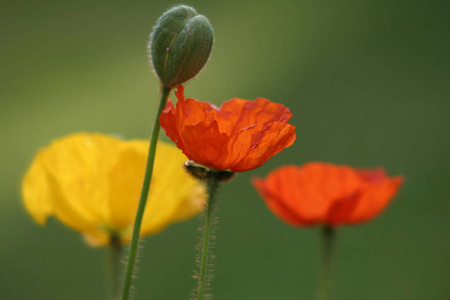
{"points": [[325, 193], [239, 136]]}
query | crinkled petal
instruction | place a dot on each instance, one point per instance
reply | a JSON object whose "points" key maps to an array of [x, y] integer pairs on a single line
{"points": [[239, 136], [243, 113], [169, 122], [206, 145], [188, 116], [191, 112], [265, 143]]}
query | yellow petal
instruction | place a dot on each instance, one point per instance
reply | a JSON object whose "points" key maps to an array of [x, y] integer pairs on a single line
{"points": [[75, 168], [36, 192], [174, 195], [125, 180], [92, 183]]}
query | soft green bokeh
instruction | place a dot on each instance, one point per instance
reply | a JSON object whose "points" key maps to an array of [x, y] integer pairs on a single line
{"points": [[367, 82]]}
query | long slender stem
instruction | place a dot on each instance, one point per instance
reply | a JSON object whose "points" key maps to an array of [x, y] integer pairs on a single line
{"points": [[202, 277], [114, 257], [328, 244], [143, 199]]}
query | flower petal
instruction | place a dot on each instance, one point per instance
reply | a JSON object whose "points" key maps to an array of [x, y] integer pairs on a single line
{"points": [[307, 194], [191, 112], [266, 141], [374, 199], [56, 183], [282, 205], [206, 145], [92, 183], [239, 136], [36, 191], [323, 184], [169, 122], [243, 113], [174, 195], [326, 193], [78, 165], [125, 181]]}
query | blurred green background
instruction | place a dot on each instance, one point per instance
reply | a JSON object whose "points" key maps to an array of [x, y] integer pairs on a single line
{"points": [[367, 82]]}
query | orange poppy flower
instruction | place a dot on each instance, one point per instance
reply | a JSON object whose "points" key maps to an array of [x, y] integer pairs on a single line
{"points": [[239, 136], [325, 193]]}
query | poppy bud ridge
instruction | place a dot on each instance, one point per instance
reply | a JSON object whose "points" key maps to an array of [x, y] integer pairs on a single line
{"points": [[180, 45]]}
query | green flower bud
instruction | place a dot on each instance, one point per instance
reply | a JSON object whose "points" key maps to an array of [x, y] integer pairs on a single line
{"points": [[180, 45]]}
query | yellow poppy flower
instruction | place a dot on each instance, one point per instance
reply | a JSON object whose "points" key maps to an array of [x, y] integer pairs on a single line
{"points": [[92, 182]]}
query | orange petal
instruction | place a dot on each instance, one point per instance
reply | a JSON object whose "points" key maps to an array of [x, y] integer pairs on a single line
{"points": [[206, 145], [276, 204], [283, 182], [192, 112], [326, 193], [311, 191], [240, 136], [243, 113], [265, 144], [167, 120], [322, 184], [374, 199]]}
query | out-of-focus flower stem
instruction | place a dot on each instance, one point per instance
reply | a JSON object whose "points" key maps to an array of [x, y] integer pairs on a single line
{"points": [[328, 236], [202, 275], [114, 266], [144, 193]]}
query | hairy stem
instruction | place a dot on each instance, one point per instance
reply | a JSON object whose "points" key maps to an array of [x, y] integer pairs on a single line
{"points": [[204, 258]]}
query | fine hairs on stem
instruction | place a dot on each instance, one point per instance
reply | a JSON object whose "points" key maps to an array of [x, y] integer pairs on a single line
{"points": [[205, 257], [136, 268]]}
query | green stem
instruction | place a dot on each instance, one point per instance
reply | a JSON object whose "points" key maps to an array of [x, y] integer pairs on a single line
{"points": [[202, 277], [114, 257], [144, 194], [328, 244]]}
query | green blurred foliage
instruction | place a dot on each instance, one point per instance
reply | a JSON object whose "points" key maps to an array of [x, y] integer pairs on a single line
{"points": [[367, 82]]}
